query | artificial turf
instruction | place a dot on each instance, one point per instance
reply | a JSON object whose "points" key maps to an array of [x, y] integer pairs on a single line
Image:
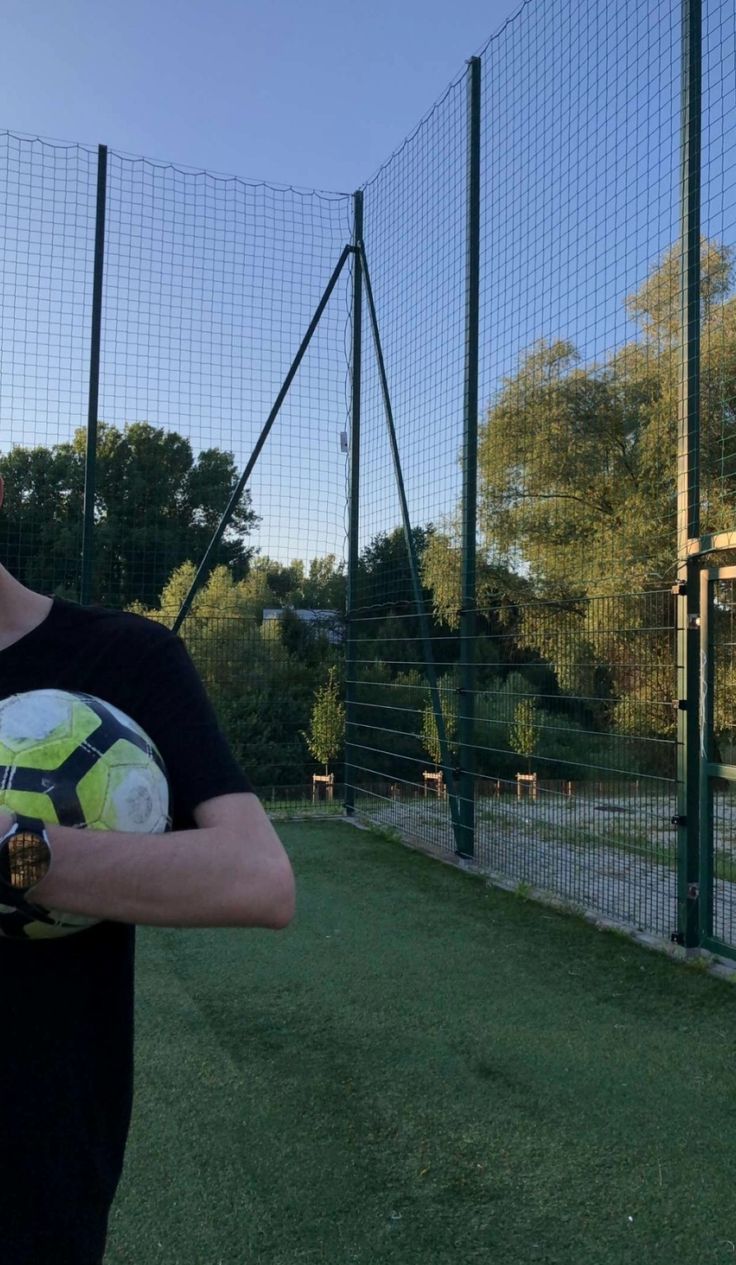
{"points": [[423, 1069]]}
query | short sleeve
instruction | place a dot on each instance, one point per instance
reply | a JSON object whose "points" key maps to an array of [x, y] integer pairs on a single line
{"points": [[176, 712]]}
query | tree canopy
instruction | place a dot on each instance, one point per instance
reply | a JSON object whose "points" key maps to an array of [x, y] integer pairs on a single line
{"points": [[156, 507], [577, 467], [577, 463]]}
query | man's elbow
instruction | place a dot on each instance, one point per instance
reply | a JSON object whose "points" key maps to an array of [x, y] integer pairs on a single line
{"points": [[277, 905], [282, 905], [258, 873]]}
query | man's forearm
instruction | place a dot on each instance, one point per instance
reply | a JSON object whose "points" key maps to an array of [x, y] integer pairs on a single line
{"points": [[190, 878]]}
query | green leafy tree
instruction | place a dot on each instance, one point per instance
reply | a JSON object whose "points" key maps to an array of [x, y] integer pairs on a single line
{"points": [[576, 482], [386, 722], [496, 583], [156, 507], [41, 518], [384, 570], [578, 498], [524, 730], [321, 588], [327, 723], [656, 306], [390, 628], [430, 733], [324, 587], [262, 691]]}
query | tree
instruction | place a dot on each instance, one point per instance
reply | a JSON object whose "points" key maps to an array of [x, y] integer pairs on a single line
{"points": [[386, 722], [384, 571], [257, 591], [41, 520], [263, 692], [324, 588], [578, 498], [577, 464], [156, 507], [430, 732], [524, 730], [656, 304], [273, 584], [327, 723], [389, 625]]}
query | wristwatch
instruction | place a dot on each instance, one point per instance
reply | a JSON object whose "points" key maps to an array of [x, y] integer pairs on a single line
{"points": [[25, 857]]}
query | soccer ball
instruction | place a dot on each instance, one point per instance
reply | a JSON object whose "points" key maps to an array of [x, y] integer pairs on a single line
{"points": [[73, 760]]}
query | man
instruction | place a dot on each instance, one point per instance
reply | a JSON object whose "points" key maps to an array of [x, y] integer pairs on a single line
{"points": [[66, 1049]]}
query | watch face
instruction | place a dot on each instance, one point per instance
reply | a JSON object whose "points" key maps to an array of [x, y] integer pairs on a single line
{"points": [[27, 856]]}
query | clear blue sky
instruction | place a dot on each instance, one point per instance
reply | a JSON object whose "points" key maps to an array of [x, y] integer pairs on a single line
{"points": [[315, 94]]}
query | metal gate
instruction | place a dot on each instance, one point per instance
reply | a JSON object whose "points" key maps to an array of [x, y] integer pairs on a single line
{"points": [[717, 758]]}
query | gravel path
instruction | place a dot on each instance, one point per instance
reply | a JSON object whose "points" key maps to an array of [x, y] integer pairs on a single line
{"points": [[578, 853]]}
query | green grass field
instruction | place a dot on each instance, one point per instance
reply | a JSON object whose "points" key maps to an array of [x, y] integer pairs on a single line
{"points": [[422, 1069]]}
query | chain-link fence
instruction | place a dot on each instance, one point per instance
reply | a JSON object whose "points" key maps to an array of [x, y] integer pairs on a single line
{"points": [[427, 461]]}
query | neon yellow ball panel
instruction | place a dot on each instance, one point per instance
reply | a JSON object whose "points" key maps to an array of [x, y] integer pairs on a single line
{"points": [[43, 729], [31, 804]]}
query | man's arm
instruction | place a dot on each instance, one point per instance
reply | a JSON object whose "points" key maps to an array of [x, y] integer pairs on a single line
{"points": [[232, 871]]}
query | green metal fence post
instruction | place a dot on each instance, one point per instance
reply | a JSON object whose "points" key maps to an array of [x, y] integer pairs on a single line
{"points": [[352, 577], [468, 619], [688, 484], [94, 381]]}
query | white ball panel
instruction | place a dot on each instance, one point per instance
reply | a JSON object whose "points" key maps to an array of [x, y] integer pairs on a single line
{"points": [[34, 717]]}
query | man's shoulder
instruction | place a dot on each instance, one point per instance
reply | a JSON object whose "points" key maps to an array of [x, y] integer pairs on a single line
{"points": [[111, 621]]}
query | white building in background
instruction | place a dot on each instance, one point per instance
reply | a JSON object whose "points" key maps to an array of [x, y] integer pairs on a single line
{"points": [[328, 624]]}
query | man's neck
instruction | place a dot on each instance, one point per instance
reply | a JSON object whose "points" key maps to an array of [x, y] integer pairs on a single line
{"points": [[21, 610]]}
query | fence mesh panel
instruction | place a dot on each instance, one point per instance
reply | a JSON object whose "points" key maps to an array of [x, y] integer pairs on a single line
{"points": [[574, 662], [210, 285], [48, 233], [566, 770], [718, 308], [415, 249], [576, 486]]}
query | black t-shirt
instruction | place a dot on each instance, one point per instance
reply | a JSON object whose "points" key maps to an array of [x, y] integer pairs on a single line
{"points": [[66, 1041]]}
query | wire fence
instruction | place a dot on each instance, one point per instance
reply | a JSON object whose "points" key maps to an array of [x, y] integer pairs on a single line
{"points": [[208, 287], [467, 511]]}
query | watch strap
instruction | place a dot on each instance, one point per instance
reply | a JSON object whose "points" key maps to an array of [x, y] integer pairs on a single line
{"points": [[19, 863]]}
